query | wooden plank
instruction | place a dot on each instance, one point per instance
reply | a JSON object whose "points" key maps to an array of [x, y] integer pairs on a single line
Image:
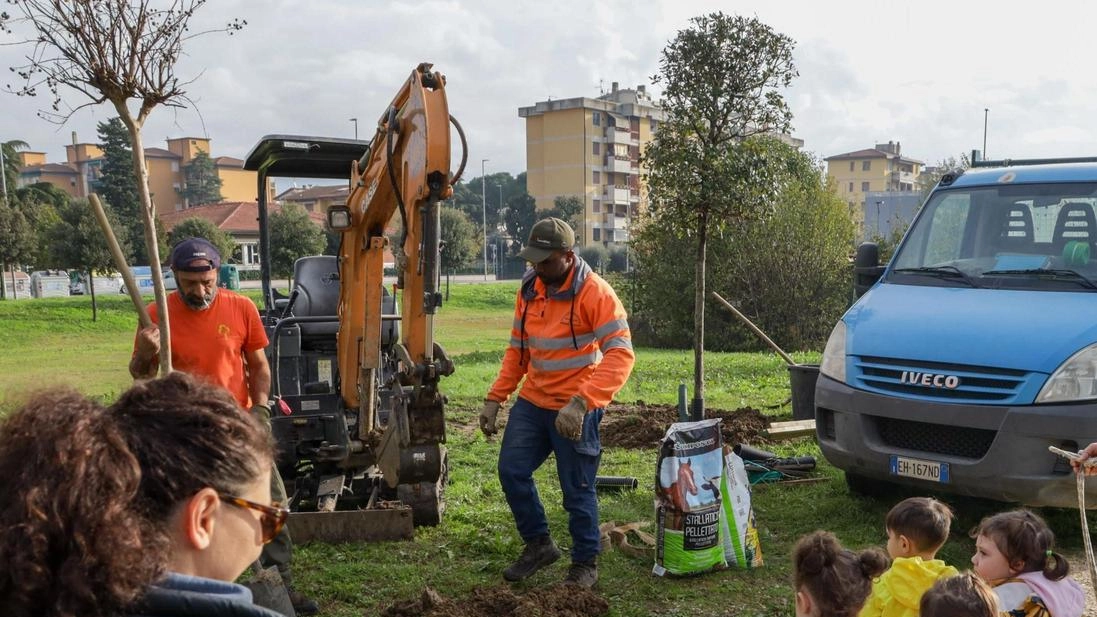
{"points": [[789, 430]]}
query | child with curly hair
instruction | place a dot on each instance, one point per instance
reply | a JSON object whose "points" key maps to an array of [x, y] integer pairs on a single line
{"points": [[832, 581]]}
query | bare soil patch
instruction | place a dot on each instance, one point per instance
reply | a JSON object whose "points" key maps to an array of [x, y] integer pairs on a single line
{"points": [[639, 425], [554, 601]]}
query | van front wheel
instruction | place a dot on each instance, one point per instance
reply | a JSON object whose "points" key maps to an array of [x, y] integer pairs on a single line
{"points": [[869, 487]]}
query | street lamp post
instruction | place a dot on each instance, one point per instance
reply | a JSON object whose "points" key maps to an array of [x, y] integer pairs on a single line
{"points": [[484, 205], [355, 121], [986, 112], [3, 175]]}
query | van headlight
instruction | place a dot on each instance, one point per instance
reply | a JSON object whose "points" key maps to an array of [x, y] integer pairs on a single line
{"points": [[834, 354], [1074, 380]]}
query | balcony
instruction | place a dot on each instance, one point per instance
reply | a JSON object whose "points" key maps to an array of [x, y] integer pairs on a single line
{"points": [[614, 195], [621, 135], [620, 165], [614, 221]]}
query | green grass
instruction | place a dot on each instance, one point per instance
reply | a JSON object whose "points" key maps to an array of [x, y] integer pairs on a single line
{"points": [[52, 341]]}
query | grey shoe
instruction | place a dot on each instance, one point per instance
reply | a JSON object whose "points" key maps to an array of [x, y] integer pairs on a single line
{"points": [[537, 554], [582, 574]]}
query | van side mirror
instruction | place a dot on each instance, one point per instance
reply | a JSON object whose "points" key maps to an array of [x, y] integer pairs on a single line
{"points": [[866, 268]]}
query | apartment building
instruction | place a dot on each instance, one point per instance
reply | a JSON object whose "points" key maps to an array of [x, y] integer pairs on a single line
{"points": [[167, 172], [590, 148], [881, 168]]}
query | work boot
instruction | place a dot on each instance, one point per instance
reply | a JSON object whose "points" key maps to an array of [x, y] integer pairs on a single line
{"points": [[302, 604], [537, 554], [584, 574]]}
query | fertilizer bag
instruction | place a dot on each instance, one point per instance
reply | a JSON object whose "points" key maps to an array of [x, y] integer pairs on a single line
{"points": [[687, 499], [737, 528]]}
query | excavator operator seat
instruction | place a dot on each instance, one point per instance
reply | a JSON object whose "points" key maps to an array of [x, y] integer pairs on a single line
{"points": [[316, 282]]}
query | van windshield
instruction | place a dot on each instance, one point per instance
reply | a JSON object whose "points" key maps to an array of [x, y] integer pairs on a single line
{"points": [[1029, 236]]}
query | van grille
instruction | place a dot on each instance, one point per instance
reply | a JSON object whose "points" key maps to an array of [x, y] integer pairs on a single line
{"points": [[977, 384], [957, 441]]}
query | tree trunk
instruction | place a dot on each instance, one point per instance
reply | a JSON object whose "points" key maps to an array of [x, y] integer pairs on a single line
{"points": [[698, 406], [91, 290], [4, 288], [449, 273], [152, 246]]}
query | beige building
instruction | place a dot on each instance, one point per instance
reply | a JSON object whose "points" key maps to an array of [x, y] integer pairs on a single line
{"points": [[882, 168], [316, 198], [590, 148], [167, 172]]}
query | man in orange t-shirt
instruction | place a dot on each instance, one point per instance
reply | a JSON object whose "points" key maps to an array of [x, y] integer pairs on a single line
{"points": [[217, 335]]}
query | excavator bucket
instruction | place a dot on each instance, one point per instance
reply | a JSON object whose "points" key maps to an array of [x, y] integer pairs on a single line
{"points": [[373, 525]]}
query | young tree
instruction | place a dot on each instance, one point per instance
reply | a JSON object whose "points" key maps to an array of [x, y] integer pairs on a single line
{"points": [[111, 52], [292, 235], [77, 241], [460, 242], [16, 241], [723, 79], [203, 185], [39, 203], [197, 227]]}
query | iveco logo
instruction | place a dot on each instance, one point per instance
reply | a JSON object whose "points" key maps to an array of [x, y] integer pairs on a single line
{"points": [[930, 380]]}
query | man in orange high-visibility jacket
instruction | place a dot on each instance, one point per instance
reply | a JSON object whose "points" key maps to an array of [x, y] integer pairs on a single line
{"points": [[571, 344]]}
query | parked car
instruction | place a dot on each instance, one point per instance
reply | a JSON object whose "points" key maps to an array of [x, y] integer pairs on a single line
{"points": [[143, 276]]}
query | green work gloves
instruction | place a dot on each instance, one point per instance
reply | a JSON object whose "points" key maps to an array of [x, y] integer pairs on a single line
{"points": [[262, 413], [569, 421], [487, 417]]}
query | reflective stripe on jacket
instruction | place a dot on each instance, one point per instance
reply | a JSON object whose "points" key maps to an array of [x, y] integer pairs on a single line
{"points": [[575, 341]]}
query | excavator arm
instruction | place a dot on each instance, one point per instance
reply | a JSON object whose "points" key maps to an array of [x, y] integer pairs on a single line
{"points": [[405, 173]]}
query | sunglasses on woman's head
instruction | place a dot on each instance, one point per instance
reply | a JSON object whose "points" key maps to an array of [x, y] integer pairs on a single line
{"points": [[271, 518]]}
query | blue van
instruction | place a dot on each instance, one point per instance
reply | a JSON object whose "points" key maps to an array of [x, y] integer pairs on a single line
{"points": [[975, 347]]}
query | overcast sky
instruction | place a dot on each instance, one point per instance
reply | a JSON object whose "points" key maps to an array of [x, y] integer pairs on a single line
{"points": [[870, 71]]}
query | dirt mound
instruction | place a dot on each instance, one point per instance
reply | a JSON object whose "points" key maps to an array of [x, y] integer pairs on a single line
{"points": [[641, 425], [554, 601]]}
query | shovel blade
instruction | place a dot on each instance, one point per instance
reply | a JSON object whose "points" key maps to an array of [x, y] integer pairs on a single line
{"points": [[374, 525]]}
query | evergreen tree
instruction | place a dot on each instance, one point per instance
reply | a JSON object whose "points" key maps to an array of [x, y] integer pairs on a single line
{"points": [[292, 235], [201, 185], [117, 188]]}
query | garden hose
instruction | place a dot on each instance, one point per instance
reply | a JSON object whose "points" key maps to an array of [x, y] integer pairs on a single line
{"points": [[1091, 565]]}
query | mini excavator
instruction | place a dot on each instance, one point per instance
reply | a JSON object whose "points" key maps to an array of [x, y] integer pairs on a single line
{"points": [[358, 413]]}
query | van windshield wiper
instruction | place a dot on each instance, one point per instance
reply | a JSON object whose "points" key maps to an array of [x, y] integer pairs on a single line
{"points": [[950, 272], [1067, 274]]}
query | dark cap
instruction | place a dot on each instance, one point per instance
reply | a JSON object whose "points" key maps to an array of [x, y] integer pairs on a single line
{"points": [[195, 255], [547, 235]]}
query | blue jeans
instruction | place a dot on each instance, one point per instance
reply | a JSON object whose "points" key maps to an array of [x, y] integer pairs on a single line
{"points": [[529, 438]]}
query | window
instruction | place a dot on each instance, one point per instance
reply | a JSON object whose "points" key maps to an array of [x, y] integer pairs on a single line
{"points": [[175, 165], [864, 187], [851, 168], [596, 118], [620, 151], [652, 123], [596, 148], [866, 165], [850, 187], [596, 234], [597, 206], [597, 177]]}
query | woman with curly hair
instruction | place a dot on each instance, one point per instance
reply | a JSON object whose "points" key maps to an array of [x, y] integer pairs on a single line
{"points": [[151, 506], [832, 581]]}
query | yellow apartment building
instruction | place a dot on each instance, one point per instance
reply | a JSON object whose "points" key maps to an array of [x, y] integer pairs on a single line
{"points": [[882, 168], [167, 172], [590, 148]]}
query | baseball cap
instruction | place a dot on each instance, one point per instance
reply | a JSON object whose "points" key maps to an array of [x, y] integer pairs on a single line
{"points": [[195, 255], [547, 235]]}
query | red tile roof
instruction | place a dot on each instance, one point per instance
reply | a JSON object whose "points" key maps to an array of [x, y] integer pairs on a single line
{"points": [[229, 216], [228, 161], [870, 153], [330, 191], [160, 153]]}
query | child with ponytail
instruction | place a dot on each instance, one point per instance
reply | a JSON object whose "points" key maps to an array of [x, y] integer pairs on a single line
{"points": [[1013, 553], [832, 581]]}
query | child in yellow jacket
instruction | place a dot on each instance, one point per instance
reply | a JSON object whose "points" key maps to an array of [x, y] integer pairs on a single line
{"points": [[917, 528]]}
